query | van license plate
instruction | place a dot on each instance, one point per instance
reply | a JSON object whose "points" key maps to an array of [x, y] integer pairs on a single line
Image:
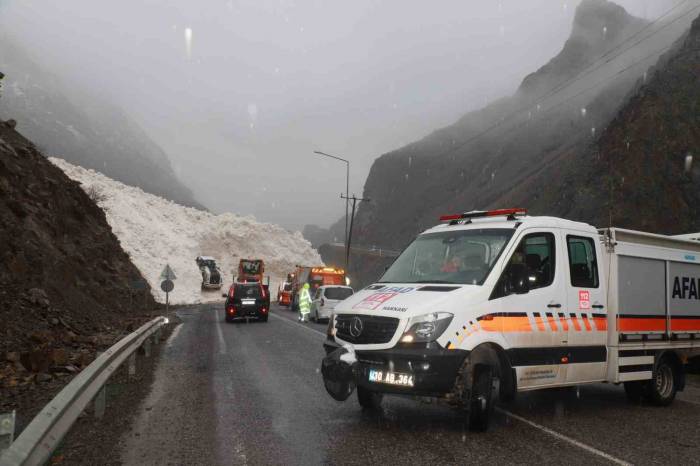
{"points": [[391, 378]]}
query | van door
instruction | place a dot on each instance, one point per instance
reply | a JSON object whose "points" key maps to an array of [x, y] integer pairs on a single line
{"points": [[585, 308], [528, 318]]}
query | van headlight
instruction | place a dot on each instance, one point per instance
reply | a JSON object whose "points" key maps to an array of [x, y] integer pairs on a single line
{"points": [[427, 327]]}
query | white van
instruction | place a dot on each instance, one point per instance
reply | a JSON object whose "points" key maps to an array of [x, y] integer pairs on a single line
{"points": [[325, 300], [491, 303]]}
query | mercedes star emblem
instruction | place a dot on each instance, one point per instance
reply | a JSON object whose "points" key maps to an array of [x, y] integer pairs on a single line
{"points": [[356, 327]]}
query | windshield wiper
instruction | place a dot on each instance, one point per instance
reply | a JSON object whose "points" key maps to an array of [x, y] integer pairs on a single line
{"points": [[436, 281]]}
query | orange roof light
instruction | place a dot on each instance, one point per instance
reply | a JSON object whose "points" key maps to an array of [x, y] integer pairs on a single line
{"points": [[510, 213]]}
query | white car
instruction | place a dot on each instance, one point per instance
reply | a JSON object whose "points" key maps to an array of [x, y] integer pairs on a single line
{"points": [[325, 299]]}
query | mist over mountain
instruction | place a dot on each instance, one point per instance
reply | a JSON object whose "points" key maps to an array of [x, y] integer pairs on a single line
{"points": [[643, 171], [83, 127], [480, 160]]}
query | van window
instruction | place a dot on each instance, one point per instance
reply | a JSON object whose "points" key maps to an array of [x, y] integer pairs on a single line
{"points": [[338, 293], [537, 252], [583, 265]]}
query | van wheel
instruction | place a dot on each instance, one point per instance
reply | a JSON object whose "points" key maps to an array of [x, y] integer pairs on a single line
{"points": [[635, 390], [483, 399], [662, 387], [368, 399]]}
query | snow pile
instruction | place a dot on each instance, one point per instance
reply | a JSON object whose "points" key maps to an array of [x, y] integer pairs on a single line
{"points": [[155, 232]]}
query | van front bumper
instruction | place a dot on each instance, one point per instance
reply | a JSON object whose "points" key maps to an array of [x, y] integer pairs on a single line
{"points": [[434, 368]]}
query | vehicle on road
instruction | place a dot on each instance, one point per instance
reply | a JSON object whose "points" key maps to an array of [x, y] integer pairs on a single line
{"points": [[251, 270], [284, 293], [326, 298], [211, 274], [247, 300], [315, 277], [489, 304]]}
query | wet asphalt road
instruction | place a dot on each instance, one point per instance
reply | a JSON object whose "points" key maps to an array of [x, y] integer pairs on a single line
{"points": [[253, 394]]}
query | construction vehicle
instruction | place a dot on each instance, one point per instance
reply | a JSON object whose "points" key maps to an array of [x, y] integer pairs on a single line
{"points": [[315, 277], [253, 271], [284, 292], [489, 304], [211, 274]]}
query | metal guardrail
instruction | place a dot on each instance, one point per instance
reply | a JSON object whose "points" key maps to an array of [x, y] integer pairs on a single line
{"points": [[41, 437], [373, 251]]}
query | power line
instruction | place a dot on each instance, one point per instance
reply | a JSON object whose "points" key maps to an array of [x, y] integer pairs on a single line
{"points": [[585, 73], [578, 77]]}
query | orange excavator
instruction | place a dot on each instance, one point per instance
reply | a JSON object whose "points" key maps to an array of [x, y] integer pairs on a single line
{"points": [[251, 271]]}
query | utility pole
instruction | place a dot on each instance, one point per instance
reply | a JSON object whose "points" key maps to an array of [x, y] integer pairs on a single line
{"points": [[347, 191], [354, 200]]}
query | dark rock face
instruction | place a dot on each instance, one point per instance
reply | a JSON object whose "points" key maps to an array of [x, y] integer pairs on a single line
{"points": [[643, 173], [55, 244], [522, 151]]}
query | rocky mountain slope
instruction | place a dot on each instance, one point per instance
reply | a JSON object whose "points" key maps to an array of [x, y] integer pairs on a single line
{"points": [[83, 127], [64, 278], [505, 152], [644, 170]]}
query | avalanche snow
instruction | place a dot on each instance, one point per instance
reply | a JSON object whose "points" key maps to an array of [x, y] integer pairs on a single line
{"points": [[155, 232]]}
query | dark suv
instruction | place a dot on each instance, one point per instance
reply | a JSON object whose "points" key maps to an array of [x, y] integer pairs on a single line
{"points": [[247, 300]]}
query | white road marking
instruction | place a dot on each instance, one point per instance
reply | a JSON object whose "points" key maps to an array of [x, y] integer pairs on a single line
{"points": [[173, 335], [220, 334], [297, 324], [564, 438]]}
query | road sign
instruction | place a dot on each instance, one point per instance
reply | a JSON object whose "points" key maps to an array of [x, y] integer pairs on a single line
{"points": [[167, 285], [168, 273]]}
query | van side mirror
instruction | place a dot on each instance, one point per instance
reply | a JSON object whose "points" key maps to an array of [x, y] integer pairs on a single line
{"points": [[224, 295], [519, 279]]}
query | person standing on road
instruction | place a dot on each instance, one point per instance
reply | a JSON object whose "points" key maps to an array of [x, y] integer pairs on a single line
{"points": [[304, 303]]}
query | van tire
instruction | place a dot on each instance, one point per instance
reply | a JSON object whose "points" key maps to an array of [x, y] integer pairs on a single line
{"points": [[635, 390], [483, 399], [368, 399], [662, 388]]}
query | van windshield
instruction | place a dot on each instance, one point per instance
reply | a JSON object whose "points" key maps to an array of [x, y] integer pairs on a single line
{"points": [[458, 257]]}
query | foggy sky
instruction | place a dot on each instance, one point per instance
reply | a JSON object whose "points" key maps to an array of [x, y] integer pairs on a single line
{"points": [[265, 83]]}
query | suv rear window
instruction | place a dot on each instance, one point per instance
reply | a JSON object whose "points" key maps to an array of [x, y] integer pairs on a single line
{"points": [[338, 293], [247, 291]]}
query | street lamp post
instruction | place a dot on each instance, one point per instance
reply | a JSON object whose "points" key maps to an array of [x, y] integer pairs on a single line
{"points": [[347, 195]]}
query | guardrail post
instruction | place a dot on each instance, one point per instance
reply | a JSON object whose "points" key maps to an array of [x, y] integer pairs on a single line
{"points": [[100, 398], [7, 430], [147, 347], [100, 402], [132, 365]]}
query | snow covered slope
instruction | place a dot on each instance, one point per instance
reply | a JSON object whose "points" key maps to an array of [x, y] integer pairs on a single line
{"points": [[155, 231]]}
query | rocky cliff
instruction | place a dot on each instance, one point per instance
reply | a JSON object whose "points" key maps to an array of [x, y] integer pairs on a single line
{"points": [[509, 151]]}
